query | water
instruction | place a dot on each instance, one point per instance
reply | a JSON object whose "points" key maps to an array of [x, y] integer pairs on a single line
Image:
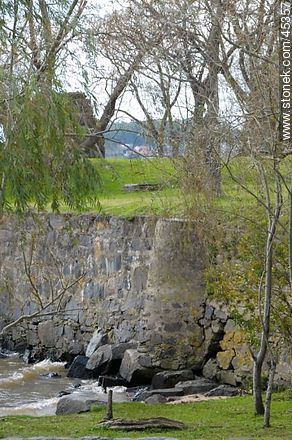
{"points": [[24, 391]]}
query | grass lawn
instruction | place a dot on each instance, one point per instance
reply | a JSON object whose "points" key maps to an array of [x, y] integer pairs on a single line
{"points": [[222, 419], [115, 173], [169, 200]]}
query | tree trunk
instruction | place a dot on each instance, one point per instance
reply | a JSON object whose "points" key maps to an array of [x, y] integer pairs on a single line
{"points": [[260, 357], [267, 414], [257, 387]]}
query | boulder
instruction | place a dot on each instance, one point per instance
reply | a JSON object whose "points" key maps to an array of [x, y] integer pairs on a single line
{"points": [[197, 386], [76, 403], [99, 338], [211, 369], [108, 357], [78, 368], [168, 379], [100, 357], [165, 392], [112, 381], [228, 377], [81, 402], [224, 390], [136, 367], [157, 398]]}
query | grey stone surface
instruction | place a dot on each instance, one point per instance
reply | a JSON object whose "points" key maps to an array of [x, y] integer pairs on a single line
{"points": [[223, 390], [75, 404], [78, 368], [135, 367], [165, 392], [82, 402], [211, 369], [98, 338], [168, 379], [100, 357], [46, 333], [156, 398], [144, 282], [197, 386]]}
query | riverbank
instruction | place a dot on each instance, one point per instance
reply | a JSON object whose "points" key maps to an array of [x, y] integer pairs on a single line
{"points": [[35, 390], [223, 419]]}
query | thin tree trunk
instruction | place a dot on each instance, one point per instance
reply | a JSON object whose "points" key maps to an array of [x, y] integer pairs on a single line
{"points": [[260, 357], [267, 414], [257, 387]]}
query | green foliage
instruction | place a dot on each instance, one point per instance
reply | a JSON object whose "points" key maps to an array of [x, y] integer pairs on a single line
{"points": [[39, 163], [239, 279]]}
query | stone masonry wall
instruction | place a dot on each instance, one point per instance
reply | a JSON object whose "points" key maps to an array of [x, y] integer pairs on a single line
{"points": [[143, 282]]}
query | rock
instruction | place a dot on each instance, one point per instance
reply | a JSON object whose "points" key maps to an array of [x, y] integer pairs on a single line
{"points": [[135, 367], [225, 357], [112, 381], [100, 357], [197, 386], [168, 379], [221, 315], [78, 368], [99, 338], [76, 403], [164, 392], [3, 355], [227, 376], [157, 398], [230, 326], [75, 347], [108, 356], [223, 390], [210, 369], [64, 393], [82, 402], [46, 333]]}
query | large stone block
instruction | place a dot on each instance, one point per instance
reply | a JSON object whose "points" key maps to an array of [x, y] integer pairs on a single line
{"points": [[196, 386], [78, 368], [46, 333], [136, 367], [168, 379], [99, 338]]}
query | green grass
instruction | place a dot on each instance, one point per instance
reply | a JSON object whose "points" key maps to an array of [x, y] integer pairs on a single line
{"points": [[115, 173], [170, 200], [222, 419]]}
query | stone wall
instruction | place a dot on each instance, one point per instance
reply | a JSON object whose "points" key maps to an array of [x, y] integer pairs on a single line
{"points": [[143, 282]]}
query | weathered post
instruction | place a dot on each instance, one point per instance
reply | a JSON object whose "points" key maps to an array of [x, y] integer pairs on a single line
{"points": [[109, 413]]}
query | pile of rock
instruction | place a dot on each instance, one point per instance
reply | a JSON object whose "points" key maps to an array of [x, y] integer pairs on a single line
{"points": [[167, 386]]}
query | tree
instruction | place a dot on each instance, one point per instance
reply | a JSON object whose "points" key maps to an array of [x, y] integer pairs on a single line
{"points": [[252, 38], [37, 163]]}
